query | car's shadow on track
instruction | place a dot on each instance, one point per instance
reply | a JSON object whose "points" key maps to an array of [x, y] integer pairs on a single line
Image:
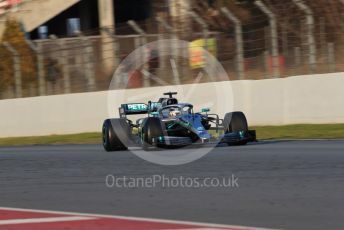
{"points": [[224, 145], [212, 145]]}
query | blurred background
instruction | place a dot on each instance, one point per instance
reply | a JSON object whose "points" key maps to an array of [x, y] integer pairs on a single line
{"points": [[57, 47]]}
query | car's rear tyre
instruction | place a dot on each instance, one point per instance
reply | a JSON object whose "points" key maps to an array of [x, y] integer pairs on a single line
{"points": [[114, 133], [235, 122], [151, 130]]}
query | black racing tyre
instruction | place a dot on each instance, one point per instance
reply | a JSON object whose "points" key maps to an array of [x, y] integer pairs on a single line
{"points": [[235, 122], [152, 129], [114, 132]]}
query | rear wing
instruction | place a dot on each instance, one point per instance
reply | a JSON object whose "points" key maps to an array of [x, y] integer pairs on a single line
{"points": [[138, 108], [133, 109]]}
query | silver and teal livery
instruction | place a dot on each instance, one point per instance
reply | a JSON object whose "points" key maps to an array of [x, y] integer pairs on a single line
{"points": [[169, 123]]}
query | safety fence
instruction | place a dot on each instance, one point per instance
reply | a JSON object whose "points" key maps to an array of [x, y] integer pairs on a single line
{"points": [[271, 44]]}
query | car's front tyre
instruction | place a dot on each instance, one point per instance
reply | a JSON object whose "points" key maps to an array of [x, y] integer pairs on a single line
{"points": [[152, 129], [236, 122]]}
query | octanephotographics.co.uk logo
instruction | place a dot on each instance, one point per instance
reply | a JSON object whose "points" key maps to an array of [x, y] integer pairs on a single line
{"points": [[154, 181]]}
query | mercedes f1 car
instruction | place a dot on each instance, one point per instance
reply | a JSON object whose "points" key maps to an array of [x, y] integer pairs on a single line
{"points": [[170, 124]]}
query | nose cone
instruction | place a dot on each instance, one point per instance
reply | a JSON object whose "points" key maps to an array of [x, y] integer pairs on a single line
{"points": [[205, 140], [204, 136]]}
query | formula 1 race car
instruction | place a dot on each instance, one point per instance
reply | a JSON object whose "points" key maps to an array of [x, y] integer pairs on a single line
{"points": [[170, 124]]}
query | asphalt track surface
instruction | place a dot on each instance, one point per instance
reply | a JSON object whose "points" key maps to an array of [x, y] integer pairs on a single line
{"points": [[282, 184]]}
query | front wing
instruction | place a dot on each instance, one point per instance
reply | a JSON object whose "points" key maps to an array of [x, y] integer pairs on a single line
{"points": [[233, 138]]}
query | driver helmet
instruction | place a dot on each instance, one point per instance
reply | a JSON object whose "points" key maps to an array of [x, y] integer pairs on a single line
{"points": [[174, 112]]}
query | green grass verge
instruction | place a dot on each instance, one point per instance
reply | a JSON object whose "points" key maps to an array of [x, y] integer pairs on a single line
{"points": [[82, 138], [326, 131], [329, 131]]}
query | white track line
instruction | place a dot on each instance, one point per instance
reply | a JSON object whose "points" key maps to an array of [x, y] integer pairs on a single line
{"points": [[45, 220], [195, 229], [136, 219]]}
